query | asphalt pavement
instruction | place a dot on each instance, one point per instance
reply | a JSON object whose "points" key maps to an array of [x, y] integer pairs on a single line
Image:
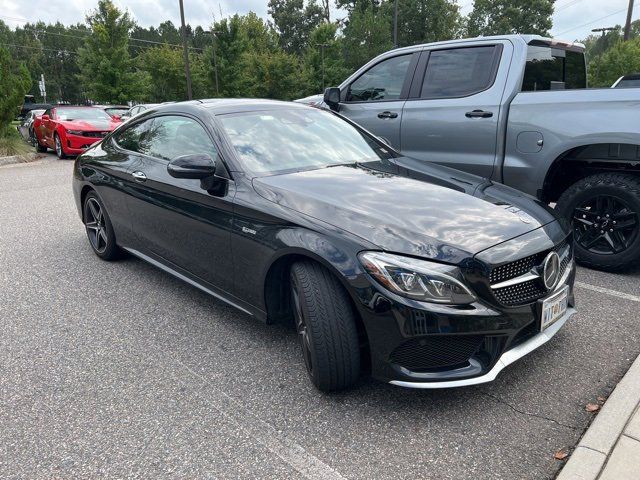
{"points": [[120, 370]]}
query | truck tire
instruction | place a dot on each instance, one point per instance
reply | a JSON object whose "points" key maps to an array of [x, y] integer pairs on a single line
{"points": [[326, 326], [605, 213]]}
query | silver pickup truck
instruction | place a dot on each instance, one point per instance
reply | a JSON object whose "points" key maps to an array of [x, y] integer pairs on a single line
{"points": [[515, 109]]}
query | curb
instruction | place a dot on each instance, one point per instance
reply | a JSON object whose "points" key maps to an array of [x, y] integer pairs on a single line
{"points": [[598, 442], [28, 157]]}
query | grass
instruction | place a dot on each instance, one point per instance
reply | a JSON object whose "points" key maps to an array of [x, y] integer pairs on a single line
{"points": [[11, 143]]}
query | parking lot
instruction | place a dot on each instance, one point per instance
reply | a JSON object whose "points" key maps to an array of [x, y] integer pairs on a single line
{"points": [[118, 369]]}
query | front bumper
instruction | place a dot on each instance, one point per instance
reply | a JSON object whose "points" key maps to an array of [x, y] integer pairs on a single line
{"points": [[419, 345], [77, 144], [507, 358]]}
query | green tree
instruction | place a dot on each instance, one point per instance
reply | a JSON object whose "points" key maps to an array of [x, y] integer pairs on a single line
{"points": [[294, 21], [367, 34], [423, 21], [335, 70], [165, 67], [237, 37], [106, 70], [273, 75], [14, 83], [621, 59], [500, 17]]}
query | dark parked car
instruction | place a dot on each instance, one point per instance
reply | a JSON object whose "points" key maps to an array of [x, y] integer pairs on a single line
{"points": [[425, 276]]}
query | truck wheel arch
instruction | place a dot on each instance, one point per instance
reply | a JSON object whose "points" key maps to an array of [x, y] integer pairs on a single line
{"points": [[584, 160]]}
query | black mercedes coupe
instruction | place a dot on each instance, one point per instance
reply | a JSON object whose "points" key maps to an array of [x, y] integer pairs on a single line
{"points": [[418, 274]]}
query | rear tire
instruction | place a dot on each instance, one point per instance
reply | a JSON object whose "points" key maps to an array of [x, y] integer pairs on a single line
{"points": [[605, 214], [99, 229], [39, 147], [326, 326]]}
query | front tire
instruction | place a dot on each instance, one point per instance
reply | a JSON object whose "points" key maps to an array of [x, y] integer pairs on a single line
{"points": [[99, 229], [605, 214], [59, 148], [326, 326]]}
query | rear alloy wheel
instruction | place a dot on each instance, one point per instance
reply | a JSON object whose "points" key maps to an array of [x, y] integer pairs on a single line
{"points": [[59, 150], [326, 327], [99, 229], [39, 147], [605, 214]]}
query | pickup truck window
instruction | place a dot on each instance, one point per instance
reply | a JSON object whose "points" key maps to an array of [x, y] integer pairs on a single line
{"points": [[459, 72], [383, 81], [550, 68]]}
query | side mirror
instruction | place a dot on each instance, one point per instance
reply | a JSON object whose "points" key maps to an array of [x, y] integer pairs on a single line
{"points": [[117, 118], [332, 97], [44, 118], [196, 166]]}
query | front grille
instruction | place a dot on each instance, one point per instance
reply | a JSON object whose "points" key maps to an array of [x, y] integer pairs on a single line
{"points": [[95, 134], [429, 353], [522, 266], [525, 292]]}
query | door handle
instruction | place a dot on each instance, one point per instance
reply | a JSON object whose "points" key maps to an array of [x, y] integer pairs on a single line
{"points": [[478, 114], [387, 114], [139, 176]]}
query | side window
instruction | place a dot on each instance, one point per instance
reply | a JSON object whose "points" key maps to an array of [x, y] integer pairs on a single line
{"points": [[383, 81], [133, 138], [173, 136], [459, 72]]}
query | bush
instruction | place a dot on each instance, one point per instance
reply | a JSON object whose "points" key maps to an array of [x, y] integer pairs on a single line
{"points": [[11, 142]]}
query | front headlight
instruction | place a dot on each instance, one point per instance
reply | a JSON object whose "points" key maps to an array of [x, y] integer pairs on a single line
{"points": [[417, 279], [75, 132]]}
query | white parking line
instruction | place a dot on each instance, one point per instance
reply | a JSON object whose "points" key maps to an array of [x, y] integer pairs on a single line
{"points": [[608, 291]]}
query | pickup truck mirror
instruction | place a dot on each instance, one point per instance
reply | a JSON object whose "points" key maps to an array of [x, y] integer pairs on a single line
{"points": [[332, 98]]}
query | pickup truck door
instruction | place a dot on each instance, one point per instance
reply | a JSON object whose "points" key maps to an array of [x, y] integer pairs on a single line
{"points": [[452, 113], [375, 98]]}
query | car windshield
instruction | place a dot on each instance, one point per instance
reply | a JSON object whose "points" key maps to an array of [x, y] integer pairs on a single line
{"points": [[281, 140], [86, 113]]}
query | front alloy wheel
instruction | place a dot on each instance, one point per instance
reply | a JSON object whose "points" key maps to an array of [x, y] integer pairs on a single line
{"points": [[59, 149]]}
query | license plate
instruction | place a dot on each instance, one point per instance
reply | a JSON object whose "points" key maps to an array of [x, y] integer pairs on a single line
{"points": [[554, 307]]}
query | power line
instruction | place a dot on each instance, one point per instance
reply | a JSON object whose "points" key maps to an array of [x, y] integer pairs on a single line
{"points": [[592, 22], [87, 33]]}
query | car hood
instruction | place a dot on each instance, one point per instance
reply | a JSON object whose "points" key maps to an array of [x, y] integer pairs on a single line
{"points": [[434, 212], [89, 125]]}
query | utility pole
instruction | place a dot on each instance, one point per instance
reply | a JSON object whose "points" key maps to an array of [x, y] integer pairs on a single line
{"points": [[215, 61], [322, 45], [395, 24], [627, 26], [186, 52]]}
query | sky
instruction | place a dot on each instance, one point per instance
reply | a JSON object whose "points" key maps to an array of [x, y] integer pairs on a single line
{"points": [[573, 19]]}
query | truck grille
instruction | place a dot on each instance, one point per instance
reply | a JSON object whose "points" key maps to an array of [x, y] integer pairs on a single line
{"points": [[428, 353]]}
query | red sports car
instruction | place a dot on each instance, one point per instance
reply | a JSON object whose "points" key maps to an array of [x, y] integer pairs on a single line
{"points": [[71, 130]]}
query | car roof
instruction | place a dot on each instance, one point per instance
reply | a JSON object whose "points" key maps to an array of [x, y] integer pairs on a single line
{"points": [[220, 106]]}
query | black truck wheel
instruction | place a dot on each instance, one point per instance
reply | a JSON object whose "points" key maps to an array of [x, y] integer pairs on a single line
{"points": [[605, 213], [326, 327]]}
